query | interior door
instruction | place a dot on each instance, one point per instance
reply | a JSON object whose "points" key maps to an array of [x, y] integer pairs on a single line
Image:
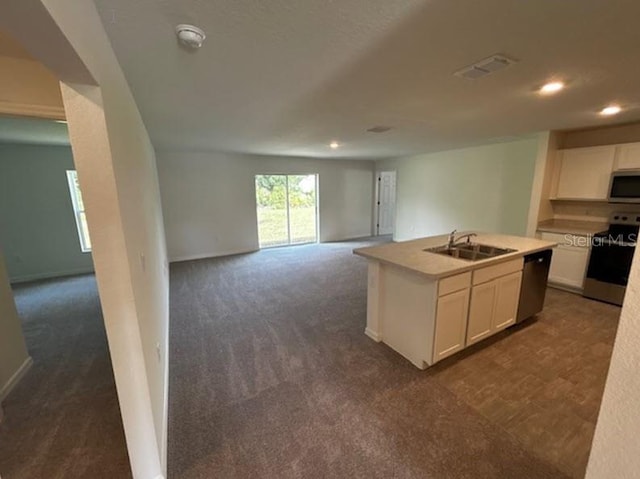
{"points": [[386, 202]]}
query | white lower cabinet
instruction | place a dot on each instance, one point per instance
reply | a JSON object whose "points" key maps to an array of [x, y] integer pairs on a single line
{"points": [[483, 300], [473, 306], [451, 324], [569, 260], [493, 307], [507, 301]]}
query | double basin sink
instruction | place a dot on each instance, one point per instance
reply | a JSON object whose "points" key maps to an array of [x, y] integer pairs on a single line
{"points": [[470, 251]]}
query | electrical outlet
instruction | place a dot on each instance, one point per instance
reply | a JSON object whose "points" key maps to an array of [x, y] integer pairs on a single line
{"points": [[158, 352]]}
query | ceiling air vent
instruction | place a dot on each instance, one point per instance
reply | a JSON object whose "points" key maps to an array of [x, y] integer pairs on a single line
{"points": [[378, 129], [485, 67]]}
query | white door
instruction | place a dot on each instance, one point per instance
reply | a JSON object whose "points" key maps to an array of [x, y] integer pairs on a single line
{"points": [[386, 202]]}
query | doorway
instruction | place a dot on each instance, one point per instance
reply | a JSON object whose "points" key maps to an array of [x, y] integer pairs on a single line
{"points": [[385, 202], [287, 209]]}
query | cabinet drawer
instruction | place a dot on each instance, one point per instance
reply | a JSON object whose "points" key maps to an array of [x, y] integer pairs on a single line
{"points": [[491, 272], [454, 283]]}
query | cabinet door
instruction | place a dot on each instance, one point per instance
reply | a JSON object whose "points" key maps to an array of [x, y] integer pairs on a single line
{"points": [[481, 311], [568, 266], [585, 172], [628, 156], [451, 324], [507, 299]]}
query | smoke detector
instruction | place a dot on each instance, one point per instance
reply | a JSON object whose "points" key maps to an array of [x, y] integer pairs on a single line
{"points": [[485, 67], [190, 35]]}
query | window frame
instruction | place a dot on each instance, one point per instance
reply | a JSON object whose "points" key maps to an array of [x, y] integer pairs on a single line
{"points": [[83, 233]]}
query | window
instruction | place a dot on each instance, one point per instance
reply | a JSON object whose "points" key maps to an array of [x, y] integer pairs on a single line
{"points": [[287, 209], [78, 209]]}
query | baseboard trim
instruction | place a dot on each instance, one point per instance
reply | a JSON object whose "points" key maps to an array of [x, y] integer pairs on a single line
{"points": [[56, 274], [15, 379], [373, 335], [192, 257], [568, 289]]}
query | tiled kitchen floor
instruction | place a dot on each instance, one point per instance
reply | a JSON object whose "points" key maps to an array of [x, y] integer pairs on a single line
{"points": [[542, 381]]}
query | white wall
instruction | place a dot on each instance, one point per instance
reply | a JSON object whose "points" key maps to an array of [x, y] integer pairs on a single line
{"points": [[14, 359], [209, 203], [486, 188], [614, 452], [37, 224], [116, 167]]}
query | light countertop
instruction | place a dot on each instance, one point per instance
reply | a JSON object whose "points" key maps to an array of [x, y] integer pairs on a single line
{"points": [[410, 254], [572, 226]]}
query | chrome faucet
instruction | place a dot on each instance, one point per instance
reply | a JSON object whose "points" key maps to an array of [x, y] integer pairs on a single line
{"points": [[453, 240]]}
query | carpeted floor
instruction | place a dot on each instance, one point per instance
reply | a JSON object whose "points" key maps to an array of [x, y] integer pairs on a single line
{"points": [[62, 421], [272, 377]]}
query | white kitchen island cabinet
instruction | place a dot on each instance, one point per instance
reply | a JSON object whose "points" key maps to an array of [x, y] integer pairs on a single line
{"points": [[428, 306], [451, 324]]}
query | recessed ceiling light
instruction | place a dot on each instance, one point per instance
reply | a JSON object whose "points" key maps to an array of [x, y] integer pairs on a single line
{"points": [[551, 88], [610, 110], [334, 144]]}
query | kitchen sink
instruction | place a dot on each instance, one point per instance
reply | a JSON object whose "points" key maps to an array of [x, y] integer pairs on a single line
{"points": [[470, 251]]}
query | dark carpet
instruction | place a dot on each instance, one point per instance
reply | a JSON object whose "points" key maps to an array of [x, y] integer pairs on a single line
{"points": [[62, 421], [272, 377]]}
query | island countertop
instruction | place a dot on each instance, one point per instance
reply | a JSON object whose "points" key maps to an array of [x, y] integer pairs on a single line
{"points": [[410, 255]]}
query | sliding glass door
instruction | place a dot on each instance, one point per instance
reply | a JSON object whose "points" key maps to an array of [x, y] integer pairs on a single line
{"points": [[287, 209]]}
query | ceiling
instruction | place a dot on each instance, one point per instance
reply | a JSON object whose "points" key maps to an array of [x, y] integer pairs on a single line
{"points": [[288, 77]]}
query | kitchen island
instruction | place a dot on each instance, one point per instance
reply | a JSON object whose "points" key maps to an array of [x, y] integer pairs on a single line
{"points": [[428, 305]]}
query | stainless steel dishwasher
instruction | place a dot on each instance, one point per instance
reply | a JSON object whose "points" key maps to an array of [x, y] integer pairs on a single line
{"points": [[534, 284]]}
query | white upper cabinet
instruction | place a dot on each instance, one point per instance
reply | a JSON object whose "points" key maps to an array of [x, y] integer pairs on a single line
{"points": [[585, 172], [628, 156]]}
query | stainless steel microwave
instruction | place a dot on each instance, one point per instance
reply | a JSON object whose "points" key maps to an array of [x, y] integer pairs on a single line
{"points": [[624, 186]]}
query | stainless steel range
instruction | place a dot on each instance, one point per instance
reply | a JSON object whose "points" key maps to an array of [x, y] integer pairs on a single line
{"points": [[611, 257]]}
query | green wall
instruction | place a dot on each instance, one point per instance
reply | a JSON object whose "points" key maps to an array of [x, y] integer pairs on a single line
{"points": [[37, 226], [485, 188]]}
